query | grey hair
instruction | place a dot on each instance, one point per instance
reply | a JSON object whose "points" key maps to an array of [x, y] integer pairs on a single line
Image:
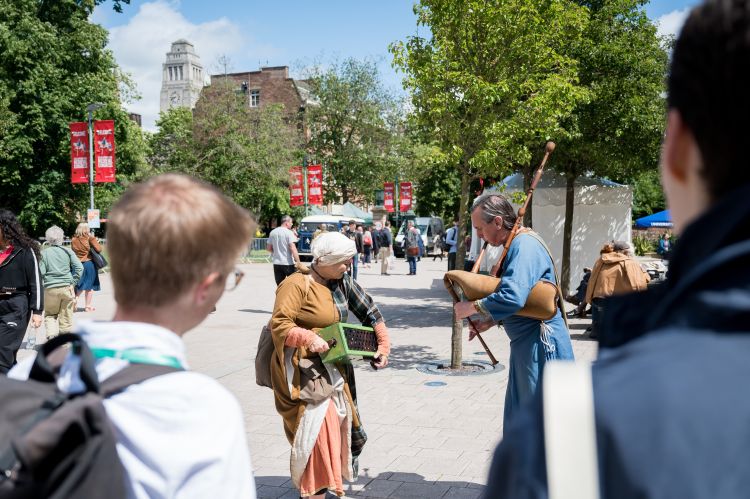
{"points": [[495, 205], [54, 235], [285, 219]]}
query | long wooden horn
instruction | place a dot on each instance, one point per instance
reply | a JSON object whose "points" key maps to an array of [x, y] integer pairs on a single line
{"points": [[522, 211]]}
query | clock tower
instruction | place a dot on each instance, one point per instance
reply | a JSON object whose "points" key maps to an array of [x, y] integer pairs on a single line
{"points": [[182, 77]]}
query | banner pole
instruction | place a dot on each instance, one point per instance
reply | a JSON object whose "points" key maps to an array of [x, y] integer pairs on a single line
{"points": [[91, 159]]}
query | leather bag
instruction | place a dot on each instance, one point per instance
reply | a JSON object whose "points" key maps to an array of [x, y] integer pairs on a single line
{"points": [[97, 258]]}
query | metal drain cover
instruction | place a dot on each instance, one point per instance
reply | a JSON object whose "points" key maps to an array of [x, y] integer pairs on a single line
{"points": [[470, 368]]}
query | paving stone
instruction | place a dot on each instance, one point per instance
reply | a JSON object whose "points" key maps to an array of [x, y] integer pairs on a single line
{"points": [[420, 490], [463, 493]]}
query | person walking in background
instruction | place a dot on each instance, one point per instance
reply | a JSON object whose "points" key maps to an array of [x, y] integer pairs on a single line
{"points": [[375, 234], [61, 270], [81, 244], [670, 414], [411, 246], [385, 243], [352, 233], [614, 273], [367, 245], [282, 246], [21, 292], [451, 239]]}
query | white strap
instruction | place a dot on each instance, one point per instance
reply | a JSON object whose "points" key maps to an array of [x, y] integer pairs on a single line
{"points": [[569, 431]]}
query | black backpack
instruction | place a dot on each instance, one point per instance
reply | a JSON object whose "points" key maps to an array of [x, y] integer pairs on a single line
{"points": [[56, 445]]}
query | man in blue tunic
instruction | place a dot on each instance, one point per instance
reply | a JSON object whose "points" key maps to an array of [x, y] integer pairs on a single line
{"points": [[532, 341]]}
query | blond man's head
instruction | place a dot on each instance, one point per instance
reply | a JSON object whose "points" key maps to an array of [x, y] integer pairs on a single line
{"points": [[167, 234]]}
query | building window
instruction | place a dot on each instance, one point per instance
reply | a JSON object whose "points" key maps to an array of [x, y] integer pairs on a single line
{"points": [[254, 98], [181, 73], [170, 73]]}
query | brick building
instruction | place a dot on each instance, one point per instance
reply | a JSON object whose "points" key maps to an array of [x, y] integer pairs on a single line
{"points": [[271, 85]]}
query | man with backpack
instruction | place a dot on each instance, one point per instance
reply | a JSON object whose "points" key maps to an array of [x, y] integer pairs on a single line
{"points": [[176, 433], [385, 243]]}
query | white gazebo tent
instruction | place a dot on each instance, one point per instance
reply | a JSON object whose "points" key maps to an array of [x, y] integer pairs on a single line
{"points": [[601, 213]]}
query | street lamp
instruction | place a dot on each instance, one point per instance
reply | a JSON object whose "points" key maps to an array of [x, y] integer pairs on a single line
{"points": [[90, 110]]}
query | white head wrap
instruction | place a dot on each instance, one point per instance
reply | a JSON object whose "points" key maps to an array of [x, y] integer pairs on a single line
{"points": [[330, 248]]}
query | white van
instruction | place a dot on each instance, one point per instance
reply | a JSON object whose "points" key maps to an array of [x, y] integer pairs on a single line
{"points": [[428, 227]]}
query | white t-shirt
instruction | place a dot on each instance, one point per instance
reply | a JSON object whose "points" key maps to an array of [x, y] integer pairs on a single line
{"points": [[280, 238], [179, 435]]}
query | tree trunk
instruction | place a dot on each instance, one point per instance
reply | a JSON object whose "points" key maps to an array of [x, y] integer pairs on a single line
{"points": [[463, 215], [570, 179]]}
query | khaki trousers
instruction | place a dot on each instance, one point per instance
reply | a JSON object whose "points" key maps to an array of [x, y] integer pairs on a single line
{"points": [[58, 310], [383, 255]]}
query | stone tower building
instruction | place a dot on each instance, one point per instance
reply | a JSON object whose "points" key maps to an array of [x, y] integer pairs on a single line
{"points": [[182, 77]]}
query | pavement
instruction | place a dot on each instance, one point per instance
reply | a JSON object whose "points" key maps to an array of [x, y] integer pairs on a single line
{"points": [[426, 439]]}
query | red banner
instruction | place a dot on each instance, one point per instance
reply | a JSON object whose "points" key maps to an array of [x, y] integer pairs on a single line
{"points": [[104, 150], [388, 196], [315, 185], [405, 190], [296, 194], [79, 153]]}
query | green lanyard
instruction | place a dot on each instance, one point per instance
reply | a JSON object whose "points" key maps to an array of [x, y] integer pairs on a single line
{"points": [[138, 356]]}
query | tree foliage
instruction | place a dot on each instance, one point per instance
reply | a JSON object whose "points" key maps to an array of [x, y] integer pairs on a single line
{"points": [[648, 196], [246, 152], [617, 132], [354, 126], [52, 65]]}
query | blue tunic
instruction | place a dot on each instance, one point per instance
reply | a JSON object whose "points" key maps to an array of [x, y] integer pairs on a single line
{"points": [[532, 342]]}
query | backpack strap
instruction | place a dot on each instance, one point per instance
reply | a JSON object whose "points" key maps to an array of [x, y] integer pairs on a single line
{"points": [[132, 375], [570, 431]]}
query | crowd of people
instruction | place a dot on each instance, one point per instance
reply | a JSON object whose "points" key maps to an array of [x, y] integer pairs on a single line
{"points": [[667, 415]]}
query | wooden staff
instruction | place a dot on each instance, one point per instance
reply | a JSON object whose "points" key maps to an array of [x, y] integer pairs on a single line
{"points": [[522, 211]]}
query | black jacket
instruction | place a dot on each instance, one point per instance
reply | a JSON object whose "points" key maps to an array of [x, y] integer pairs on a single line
{"points": [[670, 384], [19, 274]]}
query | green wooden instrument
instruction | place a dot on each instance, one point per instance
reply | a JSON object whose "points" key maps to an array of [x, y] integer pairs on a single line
{"points": [[348, 342]]}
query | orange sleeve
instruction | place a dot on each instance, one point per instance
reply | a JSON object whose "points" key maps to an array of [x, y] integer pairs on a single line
{"points": [[384, 341]]}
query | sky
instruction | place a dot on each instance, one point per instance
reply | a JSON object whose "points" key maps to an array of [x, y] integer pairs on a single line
{"points": [[294, 33]]}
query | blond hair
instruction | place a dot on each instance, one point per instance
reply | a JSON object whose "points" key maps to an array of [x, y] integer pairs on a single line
{"points": [[82, 230], [167, 234]]}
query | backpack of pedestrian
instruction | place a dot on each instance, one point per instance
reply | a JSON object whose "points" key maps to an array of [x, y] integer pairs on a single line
{"points": [[60, 445]]}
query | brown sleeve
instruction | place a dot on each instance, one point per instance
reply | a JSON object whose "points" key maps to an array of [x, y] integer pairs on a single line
{"points": [[93, 242], [290, 296]]}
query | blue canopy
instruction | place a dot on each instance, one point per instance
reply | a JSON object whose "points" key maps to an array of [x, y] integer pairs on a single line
{"points": [[661, 219]]}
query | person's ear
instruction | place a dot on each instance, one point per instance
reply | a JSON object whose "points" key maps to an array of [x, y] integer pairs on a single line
{"points": [[499, 222], [205, 287], [679, 148]]}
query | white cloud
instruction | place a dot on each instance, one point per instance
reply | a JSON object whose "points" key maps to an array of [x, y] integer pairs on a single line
{"points": [[141, 45], [671, 22]]}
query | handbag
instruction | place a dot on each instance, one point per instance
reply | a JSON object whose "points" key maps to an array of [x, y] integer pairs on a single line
{"points": [[412, 251], [97, 258], [314, 380], [266, 350]]}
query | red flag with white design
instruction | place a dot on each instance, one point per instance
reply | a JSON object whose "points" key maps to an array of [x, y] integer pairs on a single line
{"points": [[388, 197], [315, 185], [104, 150], [79, 153], [296, 189]]}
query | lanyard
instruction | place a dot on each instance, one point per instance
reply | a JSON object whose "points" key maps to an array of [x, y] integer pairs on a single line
{"points": [[138, 356]]}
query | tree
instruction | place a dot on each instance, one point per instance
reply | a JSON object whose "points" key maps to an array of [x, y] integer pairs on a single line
{"points": [[617, 132], [493, 79], [172, 146], [352, 128], [52, 64], [648, 196]]}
